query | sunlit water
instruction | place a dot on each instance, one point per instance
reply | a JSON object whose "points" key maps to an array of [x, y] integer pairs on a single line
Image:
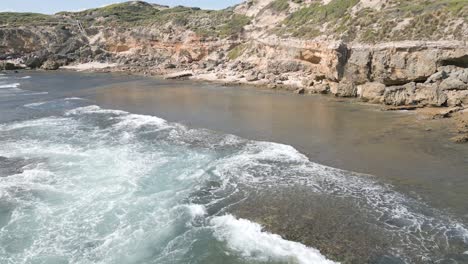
{"points": [[83, 184]]}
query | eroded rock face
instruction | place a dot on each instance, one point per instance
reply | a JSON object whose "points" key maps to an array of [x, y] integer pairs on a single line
{"points": [[371, 92], [394, 73]]}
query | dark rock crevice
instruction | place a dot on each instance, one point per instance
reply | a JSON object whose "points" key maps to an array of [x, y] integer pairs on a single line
{"points": [[459, 62]]}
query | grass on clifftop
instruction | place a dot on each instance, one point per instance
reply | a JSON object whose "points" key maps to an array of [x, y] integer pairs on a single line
{"points": [[220, 23], [306, 21], [279, 6], [21, 19], [396, 20]]}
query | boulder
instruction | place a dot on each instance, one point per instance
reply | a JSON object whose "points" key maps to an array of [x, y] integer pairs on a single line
{"points": [[320, 88], [251, 77], [438, 76], [50, 65], [7, 66], [169, 66], [399, 95], [178, 75], [457, 98], [429, 94], [453, 83], [34, 62], [308, 82], [221, 76], [344, 89], [461, 75], [371, 92], [299, 91]]}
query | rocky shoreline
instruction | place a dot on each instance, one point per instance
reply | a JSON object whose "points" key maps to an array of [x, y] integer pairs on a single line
{"points": [[241, 45]]}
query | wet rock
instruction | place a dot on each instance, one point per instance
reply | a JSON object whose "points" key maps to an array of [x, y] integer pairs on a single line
{"points": [[11, 166]]}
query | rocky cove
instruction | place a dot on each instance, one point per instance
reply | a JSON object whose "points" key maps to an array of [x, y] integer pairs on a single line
{"points": [[242, 44]]}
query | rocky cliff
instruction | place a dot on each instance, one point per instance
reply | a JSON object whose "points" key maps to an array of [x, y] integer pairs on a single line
{"points": [[394, 52]]}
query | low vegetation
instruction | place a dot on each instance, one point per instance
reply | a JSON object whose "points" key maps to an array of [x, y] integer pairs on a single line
{"points": [[237, 51], [222, 23], [21, 19], [279, 6], [397, 20]]}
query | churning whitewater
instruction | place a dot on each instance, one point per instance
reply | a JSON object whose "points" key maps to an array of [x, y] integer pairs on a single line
{"points": [[82, 184]]}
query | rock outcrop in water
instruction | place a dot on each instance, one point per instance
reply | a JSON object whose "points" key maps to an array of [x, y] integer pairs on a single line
{"points": [[397, 53]]}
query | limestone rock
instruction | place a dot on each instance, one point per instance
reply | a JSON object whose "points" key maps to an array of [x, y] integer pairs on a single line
{"points": [[399, 95], [299, 91], [344, 90], [50, 65], [320, 88], [33, 62], [427, 94], [438, 76], [453, 83], [7, 66], [307, 82], [457, 98], [371, 92], [251, 77]]}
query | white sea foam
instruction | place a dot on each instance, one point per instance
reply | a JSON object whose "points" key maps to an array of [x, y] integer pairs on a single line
{"points": [[197, 210], [136, 121], [248, 239], [33, 105], [10, 85], [134, 189], [93, 109], [56, 102]]}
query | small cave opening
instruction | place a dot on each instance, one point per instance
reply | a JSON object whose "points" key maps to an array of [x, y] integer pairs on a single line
{"points": [[459, 62]]}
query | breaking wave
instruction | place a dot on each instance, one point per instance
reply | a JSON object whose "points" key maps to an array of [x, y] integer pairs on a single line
{"points": [[107, 186]]}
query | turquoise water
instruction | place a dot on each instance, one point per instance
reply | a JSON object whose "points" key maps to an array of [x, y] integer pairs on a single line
{"points": [[83, 184]]}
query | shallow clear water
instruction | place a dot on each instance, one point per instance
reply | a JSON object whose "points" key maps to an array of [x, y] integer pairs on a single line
{"points": [[84, 184]]}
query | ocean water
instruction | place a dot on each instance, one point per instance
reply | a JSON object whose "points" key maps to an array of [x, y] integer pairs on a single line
{"points": [[80, 183]]}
